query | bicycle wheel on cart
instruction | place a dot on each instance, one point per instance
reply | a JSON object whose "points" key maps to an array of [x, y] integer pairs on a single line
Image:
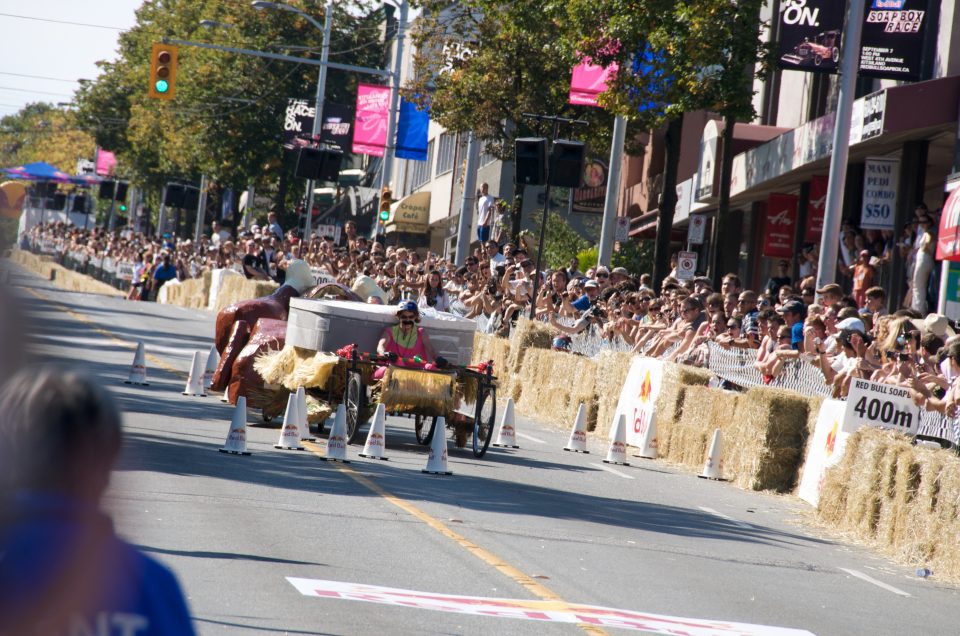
{"points": [[353, 400], [424, 428], [484, 420]]}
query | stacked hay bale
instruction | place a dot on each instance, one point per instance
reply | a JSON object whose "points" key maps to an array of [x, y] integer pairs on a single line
{"points": [[764, 439], [902, 500], [237, 288], [191, 293], [612, 369], [488, 347], [672, 398], [63, 277], [527, 335], [555, 384], [684, 440]]}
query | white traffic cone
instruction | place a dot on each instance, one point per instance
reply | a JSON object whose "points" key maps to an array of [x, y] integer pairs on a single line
{"points": [[376, 437], [437, 459], [617, 452], [713, 467], [236, 443], [138, 370], [195, 381], [290, 433], [507, 436], [213, 359], [578, 436], [648, 441], [337, 440], [303, 422]]}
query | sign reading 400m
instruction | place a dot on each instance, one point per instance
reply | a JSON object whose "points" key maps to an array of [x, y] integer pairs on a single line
{"points": [[881, 405]]}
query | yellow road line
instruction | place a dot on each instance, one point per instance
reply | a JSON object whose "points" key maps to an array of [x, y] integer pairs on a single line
{"points": [[103, 332], [533, 586]]}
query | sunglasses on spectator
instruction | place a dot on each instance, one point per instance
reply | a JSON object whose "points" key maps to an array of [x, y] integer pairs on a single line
{"points": [[602, 275], [733, 326], [407, 316]]}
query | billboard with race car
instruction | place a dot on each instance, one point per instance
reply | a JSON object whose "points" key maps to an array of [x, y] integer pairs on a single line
{"points": [[810, 34]]}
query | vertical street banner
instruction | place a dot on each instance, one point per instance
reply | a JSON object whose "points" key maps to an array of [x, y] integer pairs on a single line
{"points": [[106, 162], [780, 225], [297, 120], [810, 34], [590, 198], [816, 209], [880, 177], [370, 124], [412, 128], [892, 41], [638, 397], [588, 82], [948, 238]]}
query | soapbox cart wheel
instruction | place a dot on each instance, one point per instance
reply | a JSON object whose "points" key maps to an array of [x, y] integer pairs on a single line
{"points": [[354, 398], [483, 421], [424, 427]]}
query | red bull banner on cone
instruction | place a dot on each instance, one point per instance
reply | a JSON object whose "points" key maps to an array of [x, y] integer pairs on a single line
{"points": [[638, 397]]}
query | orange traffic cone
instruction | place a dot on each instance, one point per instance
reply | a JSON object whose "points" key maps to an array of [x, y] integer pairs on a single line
{"points": [[437, 459], [236, 443], [578, 436], [290, 433], [138, 370], [376, 438]]}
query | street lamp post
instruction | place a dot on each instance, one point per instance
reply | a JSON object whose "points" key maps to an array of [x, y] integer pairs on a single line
{"points": [[321, 85], [391, 148]]}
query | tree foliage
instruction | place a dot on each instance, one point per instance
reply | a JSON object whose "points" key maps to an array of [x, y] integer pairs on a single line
{"points": [[226, 120], [43, 132]]}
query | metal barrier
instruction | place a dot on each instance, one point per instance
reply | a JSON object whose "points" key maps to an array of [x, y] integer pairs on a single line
{"points": [[106, 270], [736, 366]]}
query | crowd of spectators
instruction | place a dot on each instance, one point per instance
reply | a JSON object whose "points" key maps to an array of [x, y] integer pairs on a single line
{"points": [[845, 333]]}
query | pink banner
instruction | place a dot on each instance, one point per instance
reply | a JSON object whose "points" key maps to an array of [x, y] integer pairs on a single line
{"points": [[589, 80], [106, 162], [370, 126]]}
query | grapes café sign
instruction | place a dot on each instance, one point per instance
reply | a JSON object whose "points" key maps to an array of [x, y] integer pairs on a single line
{"points": [[880, 405]]}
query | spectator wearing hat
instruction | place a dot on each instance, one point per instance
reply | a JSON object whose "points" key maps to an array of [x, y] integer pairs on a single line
{"points": [[619, 275], [793, 312], [830, 294]]}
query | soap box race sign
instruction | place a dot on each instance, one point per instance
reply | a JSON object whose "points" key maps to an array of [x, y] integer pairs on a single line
{"points": [[880, 405], [638, 397]]}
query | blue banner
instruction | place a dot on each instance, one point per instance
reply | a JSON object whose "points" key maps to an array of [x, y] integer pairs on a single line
{"points": [[412, 132]]}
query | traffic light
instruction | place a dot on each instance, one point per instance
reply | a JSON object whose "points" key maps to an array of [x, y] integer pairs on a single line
{"points": [[386, 199], [163, 71]]}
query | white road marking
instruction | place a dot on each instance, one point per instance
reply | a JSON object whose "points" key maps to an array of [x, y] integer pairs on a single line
{"points": [[530, 438], [870, 579], [715, 513], [612, 470]]}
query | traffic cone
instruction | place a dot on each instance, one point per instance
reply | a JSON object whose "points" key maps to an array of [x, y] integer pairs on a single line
{"points": [[437, 459], [648, 442], [303, 422], [236, 443], [578, 436], [713, 467], [213, 359], [138, 370], [376, 437], [337, 440], [617, 452], [290, 433], [507, 436], [195, 381]]}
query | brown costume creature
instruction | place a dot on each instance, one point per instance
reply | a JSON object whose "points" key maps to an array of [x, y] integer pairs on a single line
{"points": [[266, 334]]}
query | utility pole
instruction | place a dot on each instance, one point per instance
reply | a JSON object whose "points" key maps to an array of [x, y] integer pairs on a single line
{"points": [[391, 147], [610, 203], [318, 112], [201, 211], [469, 196]]}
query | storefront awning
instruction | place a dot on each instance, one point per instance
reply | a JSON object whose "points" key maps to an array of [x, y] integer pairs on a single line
{"points": [[411, 214], [880, 123]]}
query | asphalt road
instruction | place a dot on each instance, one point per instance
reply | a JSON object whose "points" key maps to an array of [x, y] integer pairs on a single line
{"points": [[529, 524]]}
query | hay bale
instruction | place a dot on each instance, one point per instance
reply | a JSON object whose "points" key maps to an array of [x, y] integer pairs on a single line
{"points": [[237, 288], [488, 347], [528, 334], [415, 390], [704, 410], [765, 437], [554, 385], [612, 369], [899, 499], [670, 401], [65, 278]]}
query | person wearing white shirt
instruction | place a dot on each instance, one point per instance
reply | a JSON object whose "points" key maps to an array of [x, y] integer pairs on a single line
{"points": [[496, 258], [484, 213]]}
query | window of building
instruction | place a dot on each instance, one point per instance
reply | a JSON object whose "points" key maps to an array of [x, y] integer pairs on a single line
{"points": [[445, 152], [420, 170]]}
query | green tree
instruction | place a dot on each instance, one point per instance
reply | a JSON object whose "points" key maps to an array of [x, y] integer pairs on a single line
{"points": [[43, 132], [561, 243], [226, 119]]}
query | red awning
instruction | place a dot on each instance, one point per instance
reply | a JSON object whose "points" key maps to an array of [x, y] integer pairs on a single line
{"points": [[948, 240]]}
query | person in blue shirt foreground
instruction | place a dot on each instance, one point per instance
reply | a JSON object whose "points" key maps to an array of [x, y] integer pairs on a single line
{"points": [[63, 570]]}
